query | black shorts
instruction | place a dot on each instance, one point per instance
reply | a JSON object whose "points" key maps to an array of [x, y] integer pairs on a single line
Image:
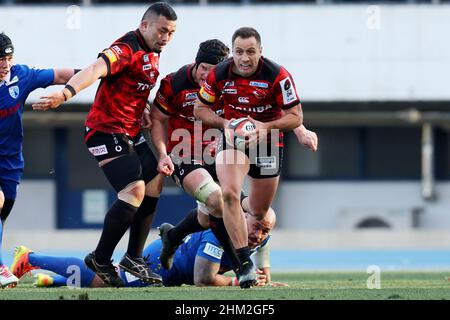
{"points": [[265, 160], [183, 168], [109, 145]]}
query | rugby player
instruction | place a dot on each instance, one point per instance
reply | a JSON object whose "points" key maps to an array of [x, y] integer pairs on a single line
{"points": [[198, 261], [255, 87], [128, 70]]}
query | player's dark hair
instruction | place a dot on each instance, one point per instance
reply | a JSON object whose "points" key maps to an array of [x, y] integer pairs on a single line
{"points": [[211, 51], [161, 9], [245, 33]]}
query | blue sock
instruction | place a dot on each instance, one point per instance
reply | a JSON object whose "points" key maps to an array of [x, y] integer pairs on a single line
{"points": [[67, 267], [1, 238], [59, 281]]}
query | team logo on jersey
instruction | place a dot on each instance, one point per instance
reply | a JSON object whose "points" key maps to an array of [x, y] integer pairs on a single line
{"points": [[229, 91], [146, 67], [14, 92], [259, 94], [229, 84], [213, 251], [287, 91], [146, 58], [117, 50], [191, 96], [244, 100], [259, 84], [188, 103]]}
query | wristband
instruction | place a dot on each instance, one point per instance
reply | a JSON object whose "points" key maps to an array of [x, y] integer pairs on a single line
{"points": [[234, 282], [71, 89], [64, 94]]}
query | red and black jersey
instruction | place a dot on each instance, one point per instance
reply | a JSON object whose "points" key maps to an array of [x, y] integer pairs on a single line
{"points": [[122, 95], [262, 95], [176, 97]]}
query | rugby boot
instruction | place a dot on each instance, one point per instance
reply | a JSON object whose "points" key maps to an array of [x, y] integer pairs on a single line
{"points": [[247, 275], [106, 272], [168, 248], [7, 279], [21, 264], [139, 268]]}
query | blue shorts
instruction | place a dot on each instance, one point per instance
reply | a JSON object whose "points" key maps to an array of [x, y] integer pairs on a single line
{"points": [[153, 250], [9, 182]]}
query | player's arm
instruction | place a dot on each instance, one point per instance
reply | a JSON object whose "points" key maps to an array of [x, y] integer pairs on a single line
{"points": [[62, 76], [204, 113], [159, 139], [208, 95], [206, 274], [78, 82], [291, 119], [306, 138]]}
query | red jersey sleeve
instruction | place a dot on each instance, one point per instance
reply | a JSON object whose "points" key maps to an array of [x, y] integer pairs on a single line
{"points": [[117, 57], [164, 99], [209, 92], [284, 88]]}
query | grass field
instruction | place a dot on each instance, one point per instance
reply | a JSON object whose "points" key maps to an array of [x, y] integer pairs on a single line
{"points": [[303, 286]]}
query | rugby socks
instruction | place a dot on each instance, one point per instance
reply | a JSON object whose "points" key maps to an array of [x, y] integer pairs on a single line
{"points": [[220, 232], [117, 221], [6, 210], [73, 270], [140, 228], [60, 281], [243, 255], [185, 227]]}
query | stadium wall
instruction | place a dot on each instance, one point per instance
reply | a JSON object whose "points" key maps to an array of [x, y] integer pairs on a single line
{"points": [[346, 53], [335, 53]]}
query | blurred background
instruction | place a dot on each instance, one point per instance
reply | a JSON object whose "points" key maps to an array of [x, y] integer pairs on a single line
{"points": [[372, 77]]}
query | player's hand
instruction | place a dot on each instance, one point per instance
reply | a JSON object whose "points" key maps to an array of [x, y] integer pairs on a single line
{"points": [[52, 101], [146, 121], [165, 166], [308, 139], [259, 135], [278, 284], [261, 278]]}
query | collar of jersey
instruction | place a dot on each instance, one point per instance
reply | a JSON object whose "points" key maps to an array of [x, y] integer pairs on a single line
{"points": [[191, 76], [142, 41]]}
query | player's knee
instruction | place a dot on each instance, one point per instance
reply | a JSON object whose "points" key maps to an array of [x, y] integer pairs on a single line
{"points": [[206, 189], [231, 196], [215, 202], [133, 193]]}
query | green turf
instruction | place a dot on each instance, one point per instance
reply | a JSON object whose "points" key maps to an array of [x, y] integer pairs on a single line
{"points": [[303, 286]]}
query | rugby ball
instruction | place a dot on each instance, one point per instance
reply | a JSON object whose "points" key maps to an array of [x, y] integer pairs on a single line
{"points": [[236, 131]]}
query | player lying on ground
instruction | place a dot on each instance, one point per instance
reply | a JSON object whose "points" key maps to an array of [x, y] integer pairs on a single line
{"points": [[198, 261]]}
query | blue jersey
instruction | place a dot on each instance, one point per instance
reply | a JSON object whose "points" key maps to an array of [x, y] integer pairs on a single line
{"points": [[203, 244], [13, 93]]}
